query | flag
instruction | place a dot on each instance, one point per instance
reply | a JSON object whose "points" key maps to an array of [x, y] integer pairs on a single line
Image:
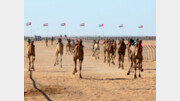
{"points": [[82, 24], [121, 25], [63, 24], [141, 26], [101, 25], [28, 23], [45, 24]]}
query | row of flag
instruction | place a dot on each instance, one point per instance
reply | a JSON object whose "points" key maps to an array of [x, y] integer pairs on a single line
{"points": [[82, 24]]}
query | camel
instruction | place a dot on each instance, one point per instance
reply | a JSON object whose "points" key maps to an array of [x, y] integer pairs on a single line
{"points": [[78, 54], [94, 42], [121, 53], [110, 51], [105, 44], [52, 40], [46, 41], [96, 50], [115, 47], [59, 50], [31, 54], [72, 46], [68, 46], [136, 58]]}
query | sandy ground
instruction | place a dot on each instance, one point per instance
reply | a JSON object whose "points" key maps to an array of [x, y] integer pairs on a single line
{"points": [[100, 81]]}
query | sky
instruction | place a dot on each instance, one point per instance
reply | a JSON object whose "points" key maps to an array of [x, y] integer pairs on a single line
{"points": [[111, 13]]}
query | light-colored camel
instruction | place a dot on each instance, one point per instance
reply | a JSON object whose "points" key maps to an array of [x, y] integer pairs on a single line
{"points": [[96, 50], [121, 53], [128, 50], [136, 59], [78, 54], [68, 46], [31, 55], [110, 52], [72, 46], [59, 50]]}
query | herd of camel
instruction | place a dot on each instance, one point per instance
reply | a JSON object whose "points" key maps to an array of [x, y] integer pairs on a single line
{"points": [[110, 48]]}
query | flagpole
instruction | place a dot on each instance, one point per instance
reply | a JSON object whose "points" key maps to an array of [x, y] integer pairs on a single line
{"points": [[31, 29]]}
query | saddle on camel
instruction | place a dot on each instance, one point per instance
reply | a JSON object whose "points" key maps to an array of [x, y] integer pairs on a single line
{"points": [[31, 54], [78, 54]]}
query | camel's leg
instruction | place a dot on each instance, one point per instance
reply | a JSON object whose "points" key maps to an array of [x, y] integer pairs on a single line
{"points": [[104, 56], [141, 65], [139, 69], [112, 58], [130, 68], [135, 67], [80, 67], [75, 63], [109, 58], [128, 55], [33, 59], [123, 62], [66, 49], [56, 60], [119, 61], [61, 60], [93, 52], [98, 53], [29, 62]]}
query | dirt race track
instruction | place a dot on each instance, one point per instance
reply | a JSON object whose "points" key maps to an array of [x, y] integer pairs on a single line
{"points": [[99, 83]]}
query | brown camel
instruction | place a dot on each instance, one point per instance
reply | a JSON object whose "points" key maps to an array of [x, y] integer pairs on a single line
{"points": [[105, 48], [115, 47], [121, 53], [59, 50], [78, 54], [110, 52], [31, 54], [94, 42], [136, 58]]}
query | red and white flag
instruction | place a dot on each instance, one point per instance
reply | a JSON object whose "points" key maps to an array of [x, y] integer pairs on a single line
{"points": [[82, 24], [28, 23], [141, 26], [45, 24], [101, 25], [121, 25], [63, 24]]}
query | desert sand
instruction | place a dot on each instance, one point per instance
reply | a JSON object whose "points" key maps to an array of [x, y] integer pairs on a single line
{"points": [[100, 81]]}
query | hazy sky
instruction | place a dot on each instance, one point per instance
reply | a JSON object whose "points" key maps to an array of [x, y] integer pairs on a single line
{"points": [[111, 13]]}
